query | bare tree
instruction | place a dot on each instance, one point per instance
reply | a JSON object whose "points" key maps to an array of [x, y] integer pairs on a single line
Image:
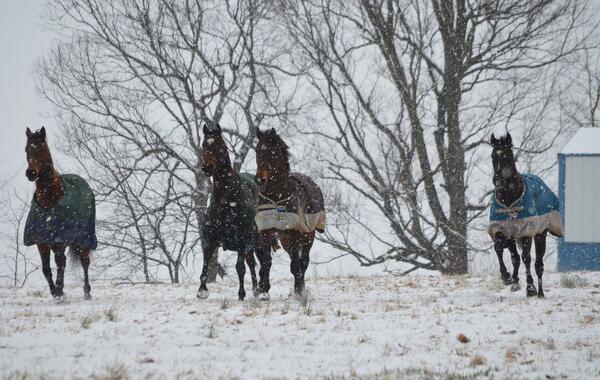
{"points": [[580, 103], [138, 79], [17, 267], [412, 89]]}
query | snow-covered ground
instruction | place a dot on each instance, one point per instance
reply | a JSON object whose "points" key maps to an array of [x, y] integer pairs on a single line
{"points": [[349, 327]]}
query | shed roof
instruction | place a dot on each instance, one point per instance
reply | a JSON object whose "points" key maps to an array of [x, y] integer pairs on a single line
{"points": [[585, 141]]}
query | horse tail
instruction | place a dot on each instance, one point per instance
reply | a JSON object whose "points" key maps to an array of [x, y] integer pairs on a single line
{"points": [[75, 254]]}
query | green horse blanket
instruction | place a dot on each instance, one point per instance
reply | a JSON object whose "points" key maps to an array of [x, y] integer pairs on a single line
{"points": [[71, 221], [229, 221]]}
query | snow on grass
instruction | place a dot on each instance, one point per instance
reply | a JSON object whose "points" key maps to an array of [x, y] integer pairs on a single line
{"points": [[359, 327]]}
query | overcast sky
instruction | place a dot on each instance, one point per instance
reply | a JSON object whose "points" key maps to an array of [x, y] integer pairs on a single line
{"points": [[23, 39]]}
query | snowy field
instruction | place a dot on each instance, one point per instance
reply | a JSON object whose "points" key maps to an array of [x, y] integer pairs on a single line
{"points": [[352, 327]]}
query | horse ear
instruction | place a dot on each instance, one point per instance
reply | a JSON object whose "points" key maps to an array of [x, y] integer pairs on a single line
{"points": [[218, 128], [508, 138], [273, 132], [493, 140], [43, 132], [205, 129], [28, 133], [259, 133]]}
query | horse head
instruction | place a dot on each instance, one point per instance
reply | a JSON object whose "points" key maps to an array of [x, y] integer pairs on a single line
{"points": [[503, 161], [272, 156], [214, 151], [39, 158]]}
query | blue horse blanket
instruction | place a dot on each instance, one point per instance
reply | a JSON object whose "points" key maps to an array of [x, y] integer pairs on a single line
{"points": [[534, 212], [71, 221]]}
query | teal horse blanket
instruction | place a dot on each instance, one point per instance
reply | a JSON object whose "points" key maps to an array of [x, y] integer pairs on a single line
{"points": [[534, 212], [71, 221]]}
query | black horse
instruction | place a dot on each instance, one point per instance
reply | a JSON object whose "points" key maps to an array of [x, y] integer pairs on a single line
{"points": [[290, 209], [229, 221], [523, 209]]}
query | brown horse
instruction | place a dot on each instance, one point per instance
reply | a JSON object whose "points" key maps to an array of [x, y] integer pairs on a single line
{"points": [[229, 220], [290, 208], [62, 214]]}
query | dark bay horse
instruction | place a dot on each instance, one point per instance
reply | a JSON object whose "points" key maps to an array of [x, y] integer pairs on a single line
{"points": [[523, 209], [229, 221], [290, 208], [62, 214]]}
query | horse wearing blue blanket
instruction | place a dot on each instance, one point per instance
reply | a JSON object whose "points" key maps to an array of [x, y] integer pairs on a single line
{"points": [[522, 209], [62, 214]]}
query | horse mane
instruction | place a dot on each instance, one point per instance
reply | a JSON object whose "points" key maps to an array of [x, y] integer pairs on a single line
{"points": [[285, 150]]}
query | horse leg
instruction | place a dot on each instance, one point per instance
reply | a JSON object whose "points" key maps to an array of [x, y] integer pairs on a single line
{"points": [[240, 267], [499, 244], [540, 251], [526, 243], [208, 248], [296, 270], [263, 252], [291, 242], [84, 257], [516, 262], [305, 256], [44, 250], [252, 265], [61, 261]]}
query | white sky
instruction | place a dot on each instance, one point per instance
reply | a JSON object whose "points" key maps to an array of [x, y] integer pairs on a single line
{"points": [[23, 39]]}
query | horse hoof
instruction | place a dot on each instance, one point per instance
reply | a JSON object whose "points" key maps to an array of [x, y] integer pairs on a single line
{"points": [[87, 296], [263, 296], [531, 291], [202, 294], [515, 287], [59, 299], [506, 281], [541, 295]]}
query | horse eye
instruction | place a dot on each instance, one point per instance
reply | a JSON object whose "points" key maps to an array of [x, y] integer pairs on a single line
{"points": [[263, 147]]}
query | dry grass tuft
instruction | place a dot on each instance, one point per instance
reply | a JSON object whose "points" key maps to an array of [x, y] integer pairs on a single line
{"points": [[117, 372], [146, 360], [110, 314], [86, 322], [512, 354], [549, 344], [476, 361], [463, 338], [572, 281], [589, 319]]}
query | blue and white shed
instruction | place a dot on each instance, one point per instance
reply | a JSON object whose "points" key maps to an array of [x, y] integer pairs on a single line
{"points": [[579, 195]]}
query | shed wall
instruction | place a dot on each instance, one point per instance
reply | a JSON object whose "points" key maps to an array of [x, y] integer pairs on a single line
{"points": [[582, 199]]}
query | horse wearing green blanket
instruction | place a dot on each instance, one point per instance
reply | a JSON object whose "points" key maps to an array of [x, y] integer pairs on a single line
{"points": [[62, 214], [229, 220]]}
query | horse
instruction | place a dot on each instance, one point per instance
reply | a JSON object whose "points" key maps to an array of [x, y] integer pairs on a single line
{"points": [[229, 220], [290, 209], [62, 214], [522, 209]]}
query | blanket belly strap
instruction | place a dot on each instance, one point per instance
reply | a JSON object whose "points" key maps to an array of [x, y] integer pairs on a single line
{"points": [[273, 219]]}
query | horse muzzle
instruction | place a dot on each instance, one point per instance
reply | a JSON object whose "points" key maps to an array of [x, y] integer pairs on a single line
{"points": [[261, 177], [31, 175]]}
